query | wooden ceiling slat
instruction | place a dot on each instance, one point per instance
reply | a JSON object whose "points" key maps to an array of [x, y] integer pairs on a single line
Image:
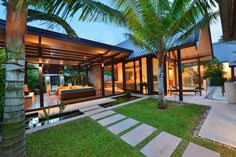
{"points": [[61, 56], [54, 58]]}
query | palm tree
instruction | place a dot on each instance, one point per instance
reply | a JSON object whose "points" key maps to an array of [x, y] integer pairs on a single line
{"points": [[13, 125], [154, 23]]}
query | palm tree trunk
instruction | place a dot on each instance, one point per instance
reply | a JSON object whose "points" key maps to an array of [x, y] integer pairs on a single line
{"points": [[13, 128], [161, 102]]}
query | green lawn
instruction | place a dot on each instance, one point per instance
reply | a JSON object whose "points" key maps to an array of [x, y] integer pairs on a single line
{"points": [[179, 120], [87, 138], [83, 138]]}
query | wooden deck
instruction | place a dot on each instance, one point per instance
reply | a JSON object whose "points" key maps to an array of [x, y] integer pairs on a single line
{"points": [[51, 100]]}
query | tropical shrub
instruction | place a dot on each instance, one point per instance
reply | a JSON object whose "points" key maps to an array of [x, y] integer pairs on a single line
{"points": [[214, 71]]}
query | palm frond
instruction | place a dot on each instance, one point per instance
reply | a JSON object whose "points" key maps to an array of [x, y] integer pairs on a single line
{"points": [[52, 20], [86, 10]]}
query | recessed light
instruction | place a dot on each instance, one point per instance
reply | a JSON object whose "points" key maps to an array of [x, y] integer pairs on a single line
{"points": [[52, 53]]}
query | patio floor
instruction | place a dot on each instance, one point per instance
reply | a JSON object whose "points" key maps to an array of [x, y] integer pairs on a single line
{"points": [[220, 124], [51, 100]]}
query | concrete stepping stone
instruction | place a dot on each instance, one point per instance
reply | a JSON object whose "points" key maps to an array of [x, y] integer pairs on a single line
{"points": [[94, 111], [138, 134], [102, 114], [162, 145], [89, 108], [194, 150], [111, 119], [123, 125]]}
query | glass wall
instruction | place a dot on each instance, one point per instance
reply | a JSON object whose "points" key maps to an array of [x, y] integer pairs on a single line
{"points": [[129, 74], [144, 75], [108, 80], [155, 74], [171, 74], [191, 76], [118, 79], [137, 75]]}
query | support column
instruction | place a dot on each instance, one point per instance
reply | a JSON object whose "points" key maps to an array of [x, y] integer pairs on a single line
{"points": [[124, 77], [41, 92], [150, 75], [113, 75], [180, 75], [199, 73], [102, 80], [232, 73]]}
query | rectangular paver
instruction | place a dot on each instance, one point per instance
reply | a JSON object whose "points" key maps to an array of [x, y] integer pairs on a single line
{"points": [[102, 114], [162, 145], [123, 125], [194, 150], [138, 134], [94, 111], [89, 108], [111, 119]]}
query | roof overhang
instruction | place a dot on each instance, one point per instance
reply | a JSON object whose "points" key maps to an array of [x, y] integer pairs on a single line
{"points": [[47, 47], [199, 50], [197, 47], [228, 18]]}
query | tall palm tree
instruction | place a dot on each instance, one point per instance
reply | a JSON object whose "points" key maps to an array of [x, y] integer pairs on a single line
{"points": [[154, 23], [13, 125]]}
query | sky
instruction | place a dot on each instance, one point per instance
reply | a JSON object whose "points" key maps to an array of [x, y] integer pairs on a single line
{"points": [[106, 33]]}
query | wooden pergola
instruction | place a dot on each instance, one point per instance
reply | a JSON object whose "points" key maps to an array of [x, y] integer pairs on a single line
{"points": [[46, 48]]}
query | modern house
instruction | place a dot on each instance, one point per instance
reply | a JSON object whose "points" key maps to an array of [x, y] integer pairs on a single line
{"points": [[225, 52], [104, 70]]}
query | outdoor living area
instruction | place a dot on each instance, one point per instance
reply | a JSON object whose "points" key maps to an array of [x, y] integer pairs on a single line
{"points": [[60, 68]]}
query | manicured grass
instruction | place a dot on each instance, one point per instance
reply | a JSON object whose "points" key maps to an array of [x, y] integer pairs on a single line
{"points": [[87, 138], [79, 138], [179, 120]]}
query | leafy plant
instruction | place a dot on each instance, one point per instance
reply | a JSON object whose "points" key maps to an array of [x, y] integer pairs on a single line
{"points": [[33, 79], [62, 107], [215, 72], [46, 114]]}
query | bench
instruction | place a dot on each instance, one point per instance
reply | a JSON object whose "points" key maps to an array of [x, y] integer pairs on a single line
{"points": [[196, 91]]}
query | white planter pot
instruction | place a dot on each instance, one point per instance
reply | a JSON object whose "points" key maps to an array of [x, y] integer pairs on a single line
{"points": [[230, 92]]}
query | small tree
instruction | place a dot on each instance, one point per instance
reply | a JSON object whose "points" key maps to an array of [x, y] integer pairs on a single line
{"points": [[157, 26], [215, 72]]}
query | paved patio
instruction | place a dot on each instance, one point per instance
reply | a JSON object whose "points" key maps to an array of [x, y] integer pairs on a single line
{"points": [[220, 124]]}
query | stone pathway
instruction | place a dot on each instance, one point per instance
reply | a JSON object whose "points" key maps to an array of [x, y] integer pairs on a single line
{"points": [[163, 145], [194, 150], [138, 134], [111, 119], [122, 126], [102, 114]]}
